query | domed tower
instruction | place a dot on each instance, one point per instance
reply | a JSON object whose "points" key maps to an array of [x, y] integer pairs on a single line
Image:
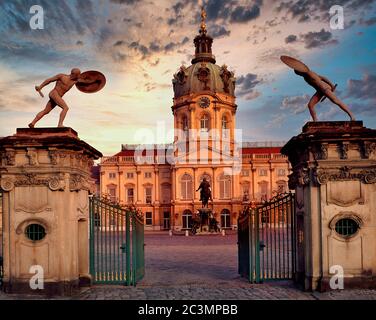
{"points": [[204, 97]]}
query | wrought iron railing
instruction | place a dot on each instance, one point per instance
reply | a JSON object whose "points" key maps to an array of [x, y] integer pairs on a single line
{"points": [[266, 240], [116, 242]]}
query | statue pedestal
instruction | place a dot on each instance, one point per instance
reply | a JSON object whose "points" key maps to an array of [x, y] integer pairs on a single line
{"points": [[45, 181], [334, 178], [204, 214], [205, 227]]}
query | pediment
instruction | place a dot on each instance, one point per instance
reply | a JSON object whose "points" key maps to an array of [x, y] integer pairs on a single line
{"points": [[204, 155]]}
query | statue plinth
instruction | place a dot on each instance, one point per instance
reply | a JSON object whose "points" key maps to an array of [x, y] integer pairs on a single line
{"points": [[333, 126], [45, 180], [204, 214], [334, 178]]}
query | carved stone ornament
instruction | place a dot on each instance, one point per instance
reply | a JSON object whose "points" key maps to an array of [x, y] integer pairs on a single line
{"points": [[203, 75], [344, 148], [226, 76], [9, 158], [345, 174], [55, 183], [33, 157], [7, 185], [321, 151], [300, 177], [30, 179], [368, 149], [53, 156], [181, 76], [78, 182]]}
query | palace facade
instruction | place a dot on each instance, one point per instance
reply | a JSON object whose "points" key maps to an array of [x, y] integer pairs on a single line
{"points": [[162, 180]]}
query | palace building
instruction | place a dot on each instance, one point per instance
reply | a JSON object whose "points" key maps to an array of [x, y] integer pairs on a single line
{"points": [[162, 180]]}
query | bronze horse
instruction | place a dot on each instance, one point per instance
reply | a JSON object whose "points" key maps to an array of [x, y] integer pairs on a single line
{"points": [[205, 193]]}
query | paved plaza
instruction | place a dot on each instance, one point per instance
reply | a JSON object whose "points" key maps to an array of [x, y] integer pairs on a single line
{"points": [[199, 267]]}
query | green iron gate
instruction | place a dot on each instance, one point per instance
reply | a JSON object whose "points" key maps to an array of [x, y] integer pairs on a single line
{"points": [[1, 240], [266, 241], [116, 243]]}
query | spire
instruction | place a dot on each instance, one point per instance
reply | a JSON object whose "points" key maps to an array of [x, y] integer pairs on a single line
{"points": [[203, 21], [203, 43]]}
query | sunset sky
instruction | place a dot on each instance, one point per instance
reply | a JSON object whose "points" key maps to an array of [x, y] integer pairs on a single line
{"points": [[139, 45]]}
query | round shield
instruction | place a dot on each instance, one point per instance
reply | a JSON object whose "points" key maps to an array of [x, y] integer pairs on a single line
{"points": [[294, 64], [91, 81]]}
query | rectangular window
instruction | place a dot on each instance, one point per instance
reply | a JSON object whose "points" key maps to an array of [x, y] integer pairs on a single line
{"points": [[263, 172], [166, 174], [112, 175], [130, 195], [263, 187], [204, 124], [166, 194], [225, 189], [112, 193], [129, 175], [244, 173], [281, 172], [149, 218], [166, 220], [147, 175], [148, 197]]}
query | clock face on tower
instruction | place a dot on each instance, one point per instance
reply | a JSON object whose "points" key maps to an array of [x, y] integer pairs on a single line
{"points": [[204, 102]]}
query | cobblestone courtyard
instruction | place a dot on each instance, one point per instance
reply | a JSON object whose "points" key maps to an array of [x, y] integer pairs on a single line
{"points": [[200, 267]]}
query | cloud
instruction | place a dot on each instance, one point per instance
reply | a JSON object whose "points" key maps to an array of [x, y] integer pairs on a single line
{"points": [[362, 89], [231, 11], [305, 10], [143, 50], [218, 31], [271, 57], [291, 38], [245, 86], [369, 22], [318, 39], [127, 2], [245, 14], [276, 121], [295, 104]]}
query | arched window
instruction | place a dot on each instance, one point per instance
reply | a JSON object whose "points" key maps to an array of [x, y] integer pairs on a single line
{"points": [[224, 122], [204, 123], [130, 195], [187, 219], [225, 128], [263, 190], [111, 191], [185, 123], [205, 175], [225, 219], [246, 187], [224, 186], [186, 187]]}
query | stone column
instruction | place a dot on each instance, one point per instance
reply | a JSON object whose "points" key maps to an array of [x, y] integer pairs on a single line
{"points": [[334, 178], [45, 180], [253, 184], [157, 214], [195, 194], [139, 188], [271, 172]]}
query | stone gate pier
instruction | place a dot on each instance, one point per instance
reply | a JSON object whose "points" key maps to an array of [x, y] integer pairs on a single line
{"points": [[334, 177], [45, 181]]}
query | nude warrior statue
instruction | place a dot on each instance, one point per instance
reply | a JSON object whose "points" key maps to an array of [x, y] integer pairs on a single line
{"points": [[88, 82], [324, 87]]}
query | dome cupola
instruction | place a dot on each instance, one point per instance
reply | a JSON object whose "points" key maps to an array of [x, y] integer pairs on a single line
{"points": [[203, 75]]}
